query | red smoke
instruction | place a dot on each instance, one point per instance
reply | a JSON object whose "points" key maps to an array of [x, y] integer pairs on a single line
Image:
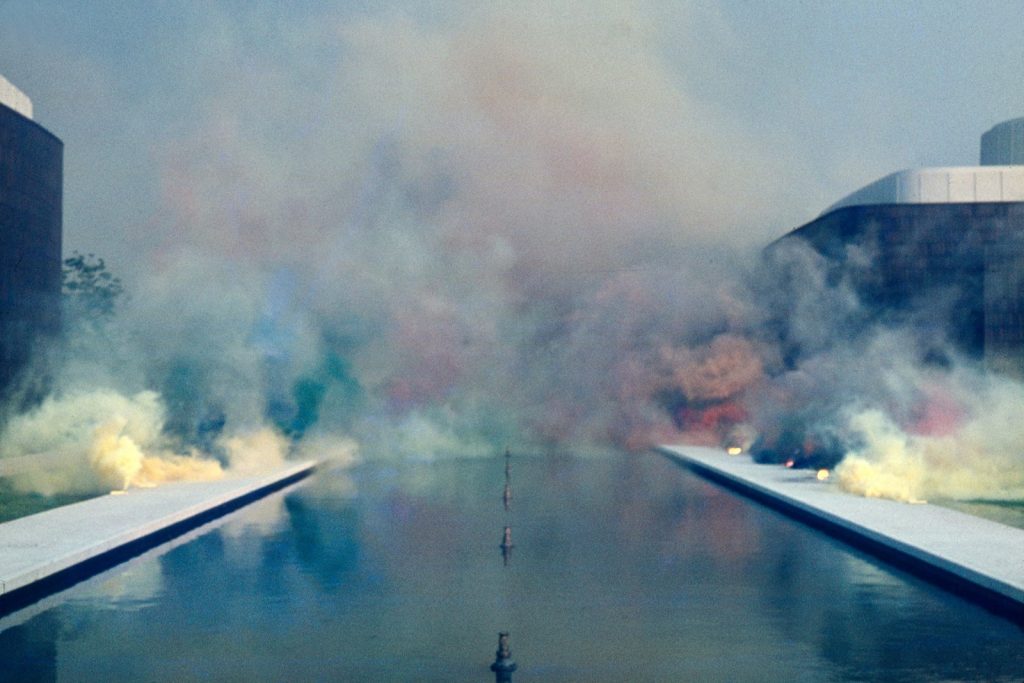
{"points": [[428, 348], [717, 419], [938, 412]]}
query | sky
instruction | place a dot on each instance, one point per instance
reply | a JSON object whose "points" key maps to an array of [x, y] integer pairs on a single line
{"points": [[838, 93]]}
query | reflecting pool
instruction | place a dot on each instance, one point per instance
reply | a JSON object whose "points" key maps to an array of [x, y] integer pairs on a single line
{"points": [[620, 569]]}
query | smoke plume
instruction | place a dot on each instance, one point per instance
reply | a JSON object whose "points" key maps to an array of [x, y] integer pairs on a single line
{"points": [[97, 440], [966, 447], [505, 227], [511, 224]]}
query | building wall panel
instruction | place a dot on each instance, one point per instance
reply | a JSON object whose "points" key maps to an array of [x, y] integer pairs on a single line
{"points": [[31, 188]]}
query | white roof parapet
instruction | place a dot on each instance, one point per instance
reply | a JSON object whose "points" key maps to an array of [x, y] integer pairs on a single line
{"points": [[13, 98], [941, 185]]}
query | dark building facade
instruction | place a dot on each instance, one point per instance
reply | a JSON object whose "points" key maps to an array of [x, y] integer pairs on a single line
{"points": [[939, 250], [954, 270], [31, 188]]}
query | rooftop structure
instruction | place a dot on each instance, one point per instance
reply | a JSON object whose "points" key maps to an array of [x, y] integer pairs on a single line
{"points": [[12, 98], [946, 248], [1003, 144], [941, 185], [999, 178]]}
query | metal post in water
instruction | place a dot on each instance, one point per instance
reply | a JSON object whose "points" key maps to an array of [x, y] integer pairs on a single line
{"points": [[506, 544], [503, 665]]}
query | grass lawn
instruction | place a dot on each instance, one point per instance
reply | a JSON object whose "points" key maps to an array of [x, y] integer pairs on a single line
{"points": [[14, 504]]}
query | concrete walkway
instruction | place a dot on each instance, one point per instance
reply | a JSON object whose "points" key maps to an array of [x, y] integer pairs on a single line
{"points": [[976, 557], [48, 551]]}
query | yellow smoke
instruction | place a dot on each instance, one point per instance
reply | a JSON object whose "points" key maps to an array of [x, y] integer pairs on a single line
{"points": [[259, 450], [115, 457], [120, 463], [983, 459], [88, 441], [101, 439], [336, 451]]}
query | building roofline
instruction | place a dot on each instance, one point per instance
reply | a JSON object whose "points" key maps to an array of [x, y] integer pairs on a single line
{"points": [[33, 122], [13, 98], [940, 185]]}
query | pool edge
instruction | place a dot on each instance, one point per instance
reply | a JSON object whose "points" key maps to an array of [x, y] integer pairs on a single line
{"points": [[37, 582], [954, 577]]}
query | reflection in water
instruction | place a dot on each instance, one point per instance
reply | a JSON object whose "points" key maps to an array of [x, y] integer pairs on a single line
{"points": [[325, 540], [506, 545], [626, 570], [503, 666], [34, 649], [264, 518], [506, 494], [135, 587]]}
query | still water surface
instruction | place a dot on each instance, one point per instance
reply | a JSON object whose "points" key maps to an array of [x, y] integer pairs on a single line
{"points": [[624, 569]]}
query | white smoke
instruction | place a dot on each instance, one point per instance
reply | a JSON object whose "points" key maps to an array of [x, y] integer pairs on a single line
{"points": [[500, 224], [447, 232]]}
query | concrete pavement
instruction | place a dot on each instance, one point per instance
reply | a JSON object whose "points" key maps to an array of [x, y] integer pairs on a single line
{"points": [[975, 557], [49, 551]]}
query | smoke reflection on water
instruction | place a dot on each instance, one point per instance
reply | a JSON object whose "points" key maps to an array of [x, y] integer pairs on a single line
{"points": [[625, 569]]}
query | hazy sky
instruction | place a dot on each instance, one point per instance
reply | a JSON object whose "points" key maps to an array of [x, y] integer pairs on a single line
{"points": [[839, 93]]}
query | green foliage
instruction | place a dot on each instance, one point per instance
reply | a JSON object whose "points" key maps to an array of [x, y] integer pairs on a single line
{"points": [[89, 287], [15, 503]]}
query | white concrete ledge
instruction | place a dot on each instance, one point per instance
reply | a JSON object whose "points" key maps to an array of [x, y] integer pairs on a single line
{"points": [[941, 185], [978, 557], [13, 98], [60, 544]]}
